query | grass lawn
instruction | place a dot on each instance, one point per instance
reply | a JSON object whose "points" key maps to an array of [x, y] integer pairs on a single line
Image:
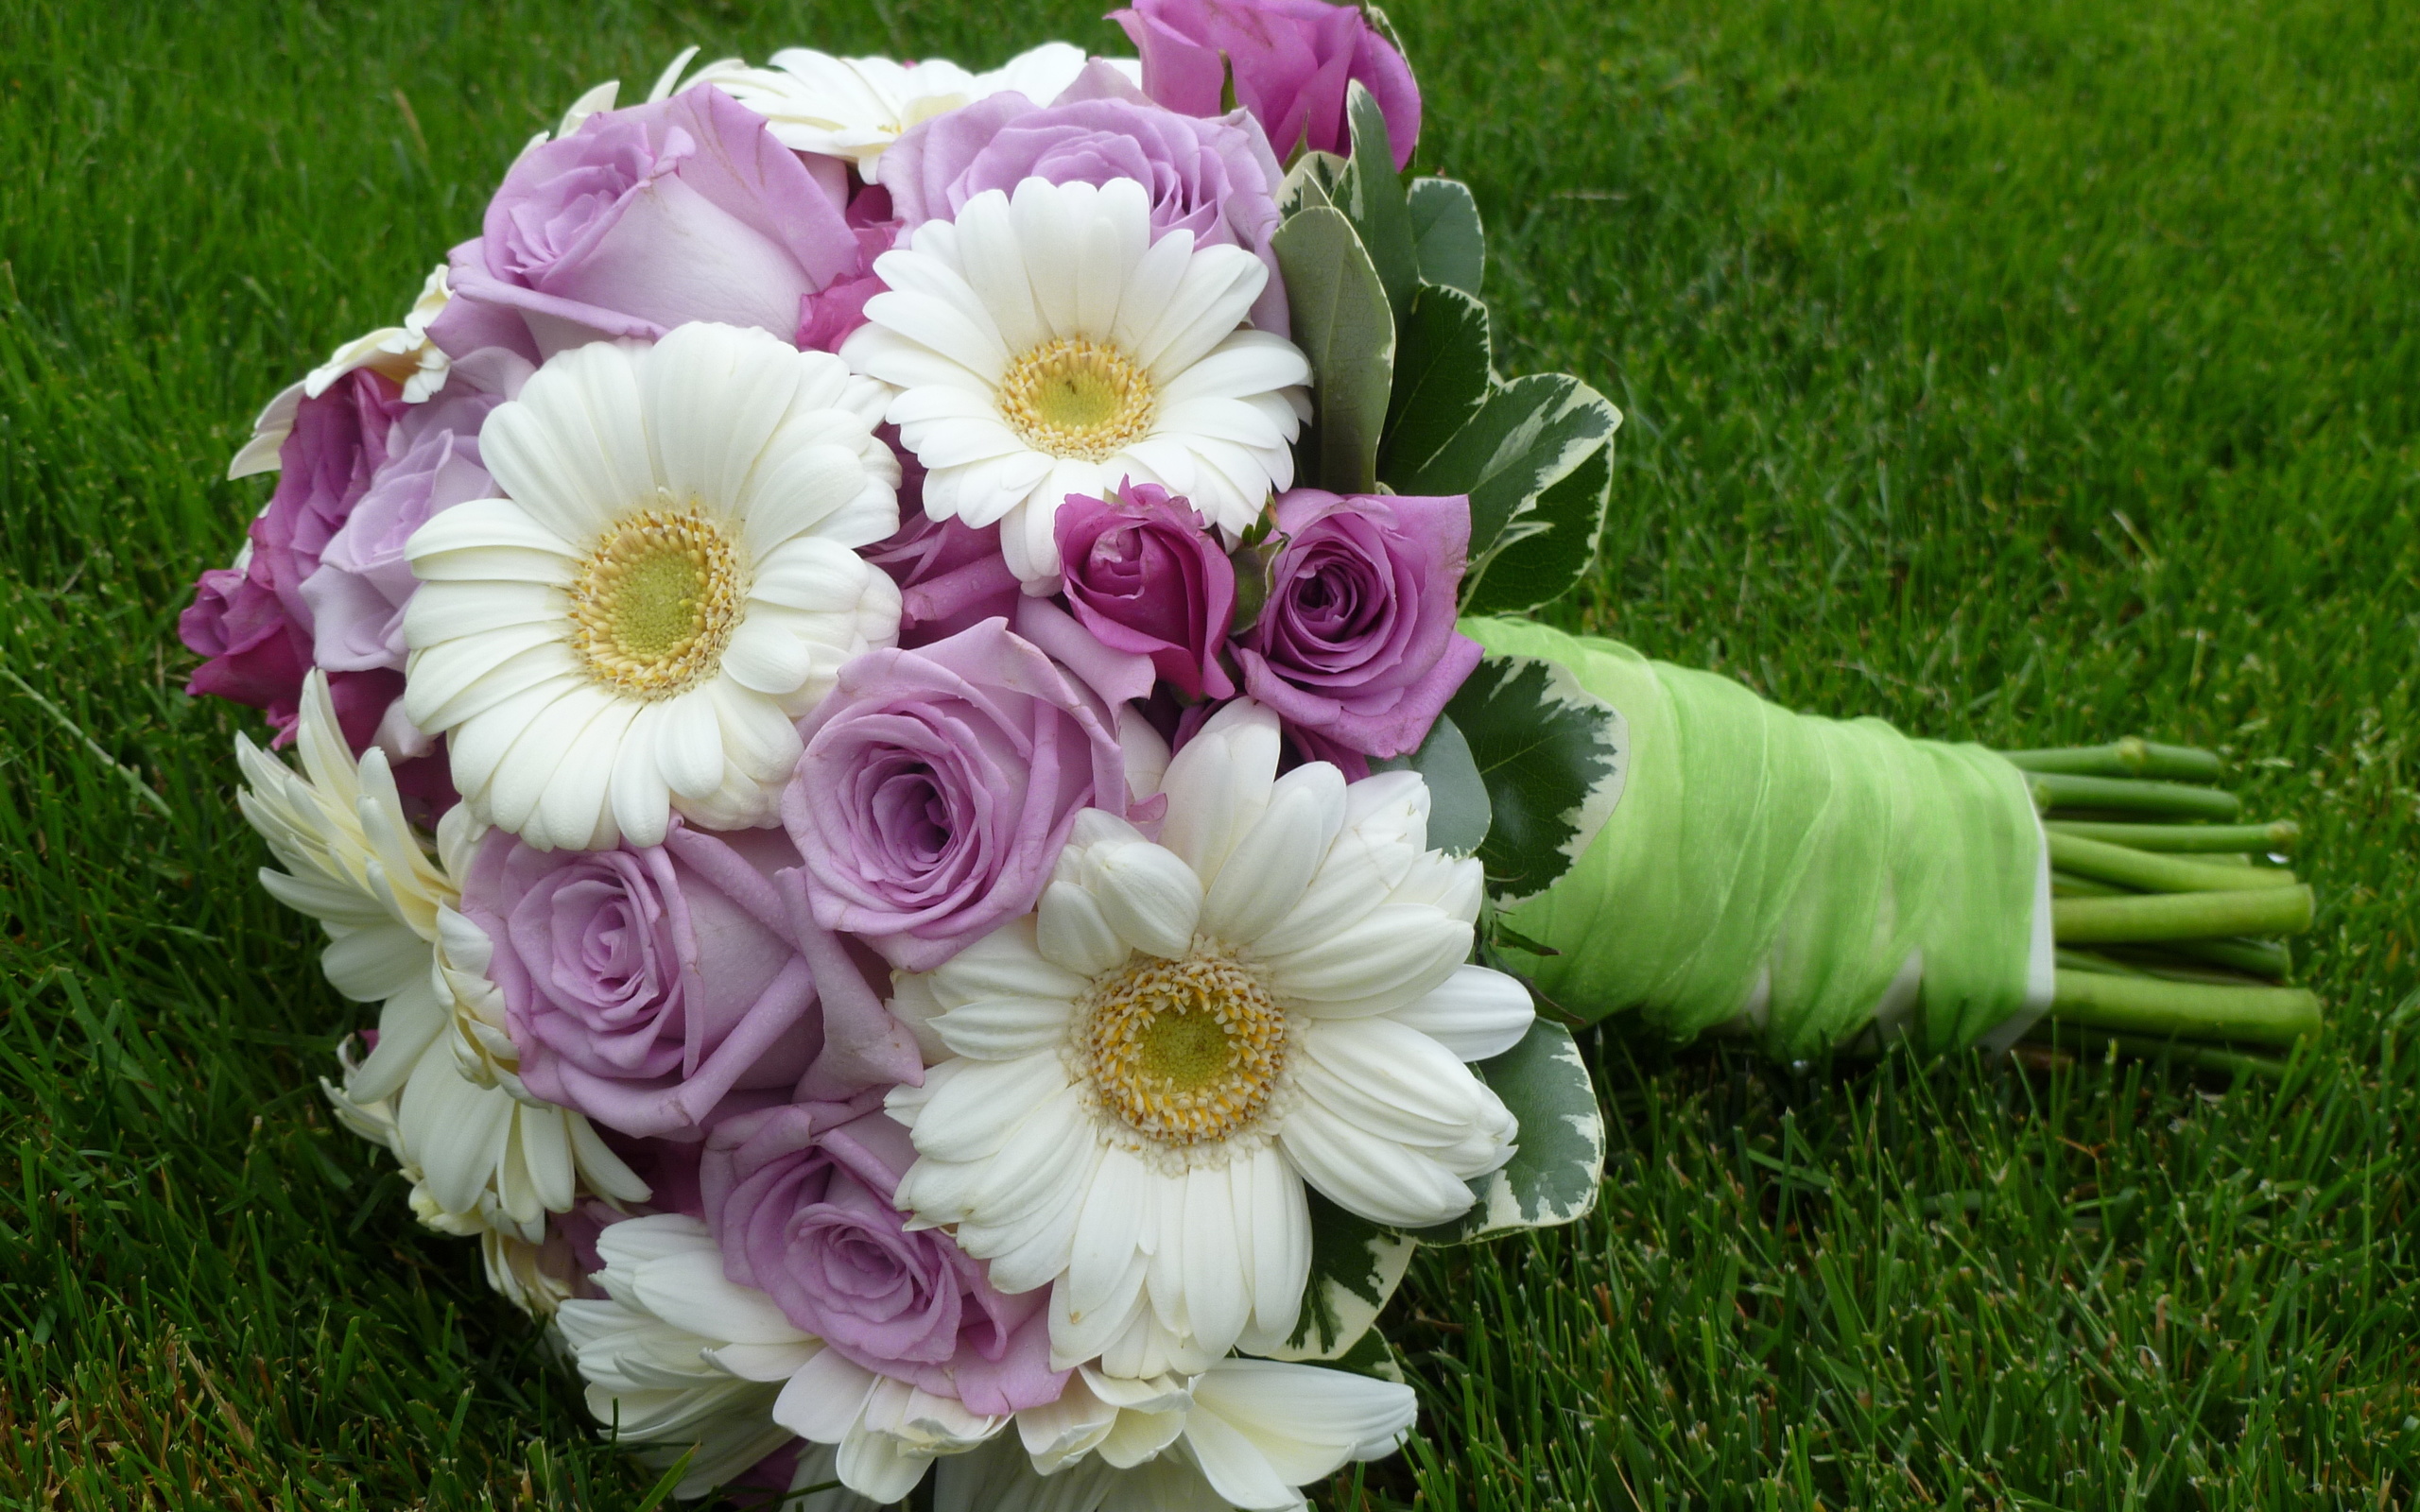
{"points": [[2028, 371]]}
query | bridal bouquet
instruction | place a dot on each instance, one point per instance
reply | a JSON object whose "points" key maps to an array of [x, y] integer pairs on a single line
{"points": [[866, 719], [910, 697]]}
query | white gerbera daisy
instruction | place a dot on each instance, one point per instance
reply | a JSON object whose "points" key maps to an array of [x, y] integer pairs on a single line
{"points": [[1245, 1434], [1046, 345], [1148, 1067], [854, 108], [667, 583]]}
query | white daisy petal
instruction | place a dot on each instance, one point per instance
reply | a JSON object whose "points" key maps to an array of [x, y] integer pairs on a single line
{"points": [[1478, 1014]]}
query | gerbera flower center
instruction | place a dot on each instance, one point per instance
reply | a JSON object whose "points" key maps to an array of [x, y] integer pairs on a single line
{"points": [[655, 603], [1078, 398], [1184, 1052]]}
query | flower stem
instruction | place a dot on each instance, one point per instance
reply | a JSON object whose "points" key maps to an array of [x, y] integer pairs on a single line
{"points": [[2130, 757], [2164, 916], [2147, 1006], [2121, 795], [2202, 1057], [2213, 838], [2146, 872]]}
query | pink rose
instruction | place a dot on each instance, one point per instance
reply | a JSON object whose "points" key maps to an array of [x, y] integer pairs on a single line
{"points": [[1291, 60]]}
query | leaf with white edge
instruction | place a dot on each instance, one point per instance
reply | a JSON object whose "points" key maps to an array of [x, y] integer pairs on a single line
{"points": [[1552, 1178], [1442, 375], [1387, 33], [1342, 323], [1373, 1356], [1371, 198], [1311, 181], [1527, 436], [1545, 551], [1457, 809], [1445, 230], [1355, 1266], [1553, 756]]}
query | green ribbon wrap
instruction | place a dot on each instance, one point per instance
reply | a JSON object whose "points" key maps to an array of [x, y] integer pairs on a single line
{"points": [[1813, 883]]}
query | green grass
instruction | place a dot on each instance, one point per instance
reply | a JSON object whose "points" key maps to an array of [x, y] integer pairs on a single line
{"points": [[2032, 371]]}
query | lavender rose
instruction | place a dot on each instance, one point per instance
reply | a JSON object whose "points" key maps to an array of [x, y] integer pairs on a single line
{"points": [[800, 1199], [1291, 60], [1215, 178], [358, 592], [1144, 573], [643, 219], [1355, 642], [656, 990], [938, 786]]}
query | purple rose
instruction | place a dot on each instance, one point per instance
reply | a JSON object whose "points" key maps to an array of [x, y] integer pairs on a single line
{"points": [[1292, 59], [655, 989], [1355, 642], [251, 622], [1215, 178], [950, 574], [800, 1199], [643, 219], [938, 786], [358, 592], [1144, 573]]}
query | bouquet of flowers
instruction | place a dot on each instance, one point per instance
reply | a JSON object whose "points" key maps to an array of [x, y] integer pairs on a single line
{"points": [[910, 697]]}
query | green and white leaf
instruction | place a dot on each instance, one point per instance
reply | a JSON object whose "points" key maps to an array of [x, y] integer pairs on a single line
{"points": [[1527, 436], [1445, 230], [1553, 756], [1547, 549], [1458, 807], [1310, 183], [1371, 198], [1553, 1176], [1342, 322], [1355, 1266], [1373, 1356], [1443, 354]]}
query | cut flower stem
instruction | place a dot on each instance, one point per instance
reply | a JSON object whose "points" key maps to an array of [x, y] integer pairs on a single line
{"points": [[2148, 1005]]}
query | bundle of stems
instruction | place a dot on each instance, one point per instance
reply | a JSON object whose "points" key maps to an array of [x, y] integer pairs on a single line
{"points": [[2170, 913]]}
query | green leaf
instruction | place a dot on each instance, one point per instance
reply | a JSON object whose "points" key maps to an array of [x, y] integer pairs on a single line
{"points": [[1458, 811], [1356, 1266], [1545, 551], [1311, 181], [1441, 357], [1446, 235], [1553, 757], [1371, 198], [1552, 1179], [1371, 1356], [1342, 323], [1527, 436]]}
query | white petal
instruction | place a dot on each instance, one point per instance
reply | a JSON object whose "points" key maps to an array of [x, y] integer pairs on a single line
{"points": [[1477, 1014], [1365, 1174], [1274, 860], [1070, 931], [1219, 785], [1147, 894], [983, 1102], [573, 448], [1395, 955]]}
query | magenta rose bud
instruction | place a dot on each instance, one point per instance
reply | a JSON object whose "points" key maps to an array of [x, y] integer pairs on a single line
{"points": [[938, 786], [253, 622], [1215, 178], [1356, 642], [1144, 573], [1293, 60], [800, 1199], [655, 989], [643, 219]]}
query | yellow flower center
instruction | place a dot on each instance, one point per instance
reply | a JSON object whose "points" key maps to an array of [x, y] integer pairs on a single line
{"points": [[655, 603], [1183, 1052], [1075, 397]]}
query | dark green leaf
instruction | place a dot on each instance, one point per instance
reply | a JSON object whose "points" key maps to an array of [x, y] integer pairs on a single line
{"points": [[1371, 198], [1552, 1178], [1446, 235], [1553, 757], [1371, 1356], [1442, 357], [1356, 1266], [1342, 323], [1458, 812], [1542, 553], [1527, 436]]}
